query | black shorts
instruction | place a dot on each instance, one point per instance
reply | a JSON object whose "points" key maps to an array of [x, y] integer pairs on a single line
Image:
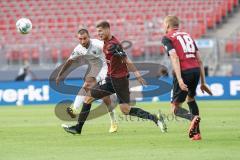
{"points": [[190, 78], [120, 86]]}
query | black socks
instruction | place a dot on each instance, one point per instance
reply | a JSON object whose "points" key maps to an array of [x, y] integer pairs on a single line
{"points": [[183, 113], [138, 112], [193, 107], [83, 116]]}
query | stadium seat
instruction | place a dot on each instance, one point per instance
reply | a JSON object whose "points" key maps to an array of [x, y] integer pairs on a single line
{"points": [[161, 49], [230, 5], [137, 52], [66, 52], [54, 55], [238, 46], [35, 56], [24, 55], [236, 2], [229, 48]]}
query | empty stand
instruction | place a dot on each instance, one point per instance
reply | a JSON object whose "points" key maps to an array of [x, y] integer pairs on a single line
{"points": [[57, 21]]}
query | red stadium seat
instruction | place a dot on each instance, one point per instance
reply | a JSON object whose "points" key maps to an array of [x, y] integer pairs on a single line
{"points": [[66, 52], [210, 20], [230, 5], [238, 46], [162, 50], [229, 48], [24, 55], [54, 55], [236, 2], [13, 56], [35, 56], [137, 52]]}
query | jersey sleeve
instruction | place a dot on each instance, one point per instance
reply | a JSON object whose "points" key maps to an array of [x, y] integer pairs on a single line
{"points": [[76, 53], [116, 49], [167, 43], [98, 43]]}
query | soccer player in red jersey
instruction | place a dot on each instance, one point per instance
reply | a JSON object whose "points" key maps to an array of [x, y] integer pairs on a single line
{"points": [[117, 82], [187, 70]]}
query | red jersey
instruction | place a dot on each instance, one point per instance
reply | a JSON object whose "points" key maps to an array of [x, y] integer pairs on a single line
{"points": [[117, 68], [184, 46]]}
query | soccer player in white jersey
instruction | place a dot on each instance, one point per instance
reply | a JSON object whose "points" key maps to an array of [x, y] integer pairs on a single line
{"points": [[92, 51]]}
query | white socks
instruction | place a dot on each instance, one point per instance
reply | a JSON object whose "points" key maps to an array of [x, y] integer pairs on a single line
{"points": [[112, 117], [78, 102]]}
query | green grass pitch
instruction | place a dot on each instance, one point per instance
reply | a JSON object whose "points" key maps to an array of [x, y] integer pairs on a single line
{"points": [[34, 132]]}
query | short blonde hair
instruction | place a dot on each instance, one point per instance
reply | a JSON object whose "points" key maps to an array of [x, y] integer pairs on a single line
{"points": [[172, 21]]}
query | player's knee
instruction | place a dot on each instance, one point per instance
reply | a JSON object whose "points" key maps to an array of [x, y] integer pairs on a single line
{"points": [[125, 108], [107, 100], [175, 106], [88, 100], [86, 86], [190, 99], [90, 80], [89, 83]]}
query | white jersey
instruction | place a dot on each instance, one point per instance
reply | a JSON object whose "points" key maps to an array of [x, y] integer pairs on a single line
{"points": [[95, 57]]}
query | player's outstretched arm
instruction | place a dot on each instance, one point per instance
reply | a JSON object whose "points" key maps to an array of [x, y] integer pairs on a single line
{"points": [[133, 68], [202, 72], [203, 87], [65, 66], [176, 67]]}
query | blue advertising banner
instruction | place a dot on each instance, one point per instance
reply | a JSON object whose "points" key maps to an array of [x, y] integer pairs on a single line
{"points": [[32, 92], [41, 92]]}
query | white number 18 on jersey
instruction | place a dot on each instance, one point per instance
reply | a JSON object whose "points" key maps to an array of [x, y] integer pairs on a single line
{"points": [[186, 43]]}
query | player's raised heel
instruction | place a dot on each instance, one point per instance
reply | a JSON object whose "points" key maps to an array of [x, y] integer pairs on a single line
{"points": [[194, 124], [161, 123], [70, 112]]}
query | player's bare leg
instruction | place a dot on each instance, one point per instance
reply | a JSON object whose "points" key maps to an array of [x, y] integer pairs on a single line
{"points": [[110, 106], [74, 109], [77, 129]]}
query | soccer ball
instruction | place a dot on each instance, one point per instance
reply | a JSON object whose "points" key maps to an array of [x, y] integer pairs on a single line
{"points": [[24, 25]]}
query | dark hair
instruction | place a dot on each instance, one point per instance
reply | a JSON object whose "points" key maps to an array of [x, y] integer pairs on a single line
{"points": [[103, 24], [82, 31]]}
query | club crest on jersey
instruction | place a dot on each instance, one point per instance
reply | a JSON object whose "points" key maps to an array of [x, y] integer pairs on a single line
{"points": [[74, 53]]}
